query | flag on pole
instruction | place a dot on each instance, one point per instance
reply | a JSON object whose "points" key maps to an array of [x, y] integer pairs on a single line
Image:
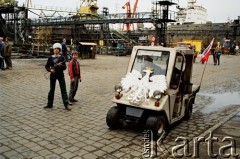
{"points": [[207, 52]]}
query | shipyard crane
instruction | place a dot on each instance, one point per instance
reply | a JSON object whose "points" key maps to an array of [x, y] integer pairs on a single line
{"points": [[129, 14], [134, 10]]}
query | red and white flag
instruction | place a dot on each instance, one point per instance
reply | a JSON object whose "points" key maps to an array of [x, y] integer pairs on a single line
{"points": [[206, 52]]}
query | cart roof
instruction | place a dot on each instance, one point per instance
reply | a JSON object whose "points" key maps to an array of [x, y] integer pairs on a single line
{"points": [[182, 50]]}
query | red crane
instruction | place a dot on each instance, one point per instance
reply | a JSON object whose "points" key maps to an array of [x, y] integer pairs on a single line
{"points": [[129, 14], [134, 8]]}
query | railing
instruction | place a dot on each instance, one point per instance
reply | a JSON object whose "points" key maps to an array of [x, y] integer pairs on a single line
{"points": [[139, 15], [143, 17]]}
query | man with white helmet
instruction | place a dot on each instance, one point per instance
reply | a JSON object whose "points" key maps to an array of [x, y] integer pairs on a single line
{"points": [[56, 65]]}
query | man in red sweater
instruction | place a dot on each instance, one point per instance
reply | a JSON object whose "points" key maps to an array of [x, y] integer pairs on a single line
{"points": [[75, 76]]}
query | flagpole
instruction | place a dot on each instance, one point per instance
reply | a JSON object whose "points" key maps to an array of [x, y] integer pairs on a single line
{"points": [[203, 74]]}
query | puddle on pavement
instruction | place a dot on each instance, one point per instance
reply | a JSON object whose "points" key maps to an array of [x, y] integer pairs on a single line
{"points": [[222, 100]]}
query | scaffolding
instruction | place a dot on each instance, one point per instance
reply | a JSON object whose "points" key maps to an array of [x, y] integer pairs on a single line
{"points": [[13, 20], [42, 37]]}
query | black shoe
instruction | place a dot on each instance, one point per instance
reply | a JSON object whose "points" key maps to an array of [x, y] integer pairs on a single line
{"points": [[47, 106], [67, 108], [3, 69], [74, 100]]}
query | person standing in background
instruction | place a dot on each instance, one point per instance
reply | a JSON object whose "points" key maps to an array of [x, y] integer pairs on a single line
{"points": [[8, 53], [69, 56], [94, 50], [217, 53], [214, 55], [2, 54], [64, 48]]}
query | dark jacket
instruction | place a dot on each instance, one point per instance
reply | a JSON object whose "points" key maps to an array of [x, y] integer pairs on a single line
{"points": [[52, 64], [64, 49], [8, 49]]}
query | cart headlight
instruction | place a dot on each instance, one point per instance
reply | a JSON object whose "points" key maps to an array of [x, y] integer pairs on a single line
{"points": [[157, 94], [118, 88]]}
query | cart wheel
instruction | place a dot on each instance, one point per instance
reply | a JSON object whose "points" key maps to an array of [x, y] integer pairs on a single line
{"points": [[112, 118], [188, 111], [157, 124]]}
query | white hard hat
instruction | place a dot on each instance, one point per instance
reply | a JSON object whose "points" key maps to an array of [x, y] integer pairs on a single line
{"points": [[57, 45]]}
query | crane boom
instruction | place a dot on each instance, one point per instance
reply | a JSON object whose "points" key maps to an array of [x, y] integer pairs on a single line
{"points": [[134, 8], [129, 13]]}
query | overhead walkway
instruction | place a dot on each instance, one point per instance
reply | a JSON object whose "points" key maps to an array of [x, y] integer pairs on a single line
{"points": [[143, 17]]}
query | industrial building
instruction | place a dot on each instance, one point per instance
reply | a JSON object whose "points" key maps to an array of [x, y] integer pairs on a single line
{"points": [[36, 36]]}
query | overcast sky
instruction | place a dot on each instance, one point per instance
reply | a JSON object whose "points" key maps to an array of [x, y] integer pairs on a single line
{"points": [[218, 10]]}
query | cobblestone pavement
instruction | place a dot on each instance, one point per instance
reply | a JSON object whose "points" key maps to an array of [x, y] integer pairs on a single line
{"points": [[29, 131]]}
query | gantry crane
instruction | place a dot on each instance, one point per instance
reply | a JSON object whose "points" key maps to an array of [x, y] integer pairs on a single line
{"points": [[129, 14]]}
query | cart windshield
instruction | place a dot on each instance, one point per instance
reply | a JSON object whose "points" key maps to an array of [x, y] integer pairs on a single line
{"points": [[153, 60]]}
